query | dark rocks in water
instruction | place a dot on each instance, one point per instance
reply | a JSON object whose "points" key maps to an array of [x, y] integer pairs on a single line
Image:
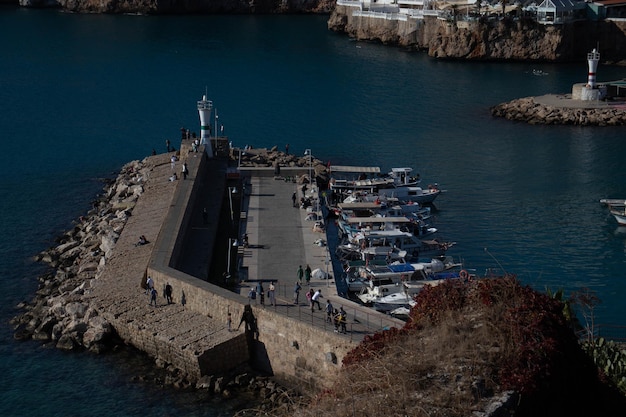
{"points": [[58, 312]]}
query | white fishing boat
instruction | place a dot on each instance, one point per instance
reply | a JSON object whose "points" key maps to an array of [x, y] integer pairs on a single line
{"points": [[350, 226], [386, 207], [395, 240], [399, 183], [401, 313], [613, 202], [411, 193], [393, 301], [360, 275], [369, 295], [369, 179], [619, 215], [617, 208], [403, 298]]}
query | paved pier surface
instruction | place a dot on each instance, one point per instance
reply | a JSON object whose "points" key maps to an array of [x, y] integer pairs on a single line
{"points": [[119, 294], [566, 101], [281, 238]]}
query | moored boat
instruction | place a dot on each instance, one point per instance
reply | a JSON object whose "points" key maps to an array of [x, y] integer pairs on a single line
{"points": [[399, 183], [619, 215], [395, 240], [368, 179], [413, 193], [613, 202]]}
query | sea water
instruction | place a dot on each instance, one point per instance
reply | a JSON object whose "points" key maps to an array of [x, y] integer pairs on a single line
{"points": [[80, 95]]}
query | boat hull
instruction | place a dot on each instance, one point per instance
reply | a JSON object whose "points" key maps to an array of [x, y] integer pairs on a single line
{"points": [[620, 218]]}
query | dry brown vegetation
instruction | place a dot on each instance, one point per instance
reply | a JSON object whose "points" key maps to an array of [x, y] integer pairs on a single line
{"points": [[466, 347]]}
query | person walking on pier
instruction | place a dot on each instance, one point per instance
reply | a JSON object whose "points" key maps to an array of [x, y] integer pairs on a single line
{"points": [[153, 296], [315, 300], [261, 292], [307, 274], [296, 293], [343, 318], [185, 170], [251, 295], [309, 298], [149, 285], [293, 199], [271, 294], [300, 273], [168, 293], [329, 311]]}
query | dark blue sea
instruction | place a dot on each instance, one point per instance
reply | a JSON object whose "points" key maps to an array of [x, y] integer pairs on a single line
{"points": [[81, 95]]}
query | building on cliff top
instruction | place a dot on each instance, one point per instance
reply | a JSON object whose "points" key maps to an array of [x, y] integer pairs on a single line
{"points": [[607, 9], [552, 12], [547, 12]]}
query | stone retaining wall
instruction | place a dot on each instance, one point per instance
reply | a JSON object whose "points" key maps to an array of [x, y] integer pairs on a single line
{"points": [[296, 353], [96, 289]]}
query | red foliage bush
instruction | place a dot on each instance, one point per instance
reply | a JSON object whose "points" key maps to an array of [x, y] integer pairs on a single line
{"points": [[532, 322]]}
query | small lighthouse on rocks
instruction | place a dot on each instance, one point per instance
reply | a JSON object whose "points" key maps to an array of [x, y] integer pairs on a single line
{"points": [[591, 91], [592, 59]]}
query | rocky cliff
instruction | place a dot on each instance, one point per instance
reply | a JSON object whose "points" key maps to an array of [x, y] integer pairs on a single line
{"points": [[521, 39], [185, 6]]}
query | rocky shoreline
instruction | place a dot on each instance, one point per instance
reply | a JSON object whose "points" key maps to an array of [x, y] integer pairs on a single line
{"points": [[61, 313], [531, 111]]}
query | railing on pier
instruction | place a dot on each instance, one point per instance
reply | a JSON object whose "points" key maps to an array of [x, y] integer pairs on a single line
{"points": [[350, 3], [381, 15], [359, 322]]}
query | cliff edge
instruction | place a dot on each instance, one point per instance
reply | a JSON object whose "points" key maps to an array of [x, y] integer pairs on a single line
{"points": [[505, 39], [186, 6]]}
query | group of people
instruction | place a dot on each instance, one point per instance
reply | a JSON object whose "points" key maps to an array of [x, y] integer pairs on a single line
{"points": [[337, 317], [260, 292], [304, 273], [304, 200], [152, 292]]}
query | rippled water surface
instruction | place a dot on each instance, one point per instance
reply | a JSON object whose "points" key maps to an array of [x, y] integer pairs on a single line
{"points": [[80, 95]]}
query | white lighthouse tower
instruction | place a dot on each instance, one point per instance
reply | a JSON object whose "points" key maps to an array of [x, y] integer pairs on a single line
{"points": [[204, 109], [590, 91], [592, 59]]}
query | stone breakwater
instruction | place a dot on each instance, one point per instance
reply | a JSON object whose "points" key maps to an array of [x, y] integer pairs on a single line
{"points": [[531, 111], [64, 311], [263, 157], [59, 314]]}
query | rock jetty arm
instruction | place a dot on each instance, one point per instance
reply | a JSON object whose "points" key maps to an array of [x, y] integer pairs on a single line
{"points": [[561, 110], [59, 312]]}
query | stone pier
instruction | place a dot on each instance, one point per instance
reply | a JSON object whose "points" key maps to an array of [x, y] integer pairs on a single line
{"points": [[295, 345]]}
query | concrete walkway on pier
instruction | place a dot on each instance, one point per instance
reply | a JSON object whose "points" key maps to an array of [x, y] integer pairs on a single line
{"points": [[280, 239], [567, 102]]}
